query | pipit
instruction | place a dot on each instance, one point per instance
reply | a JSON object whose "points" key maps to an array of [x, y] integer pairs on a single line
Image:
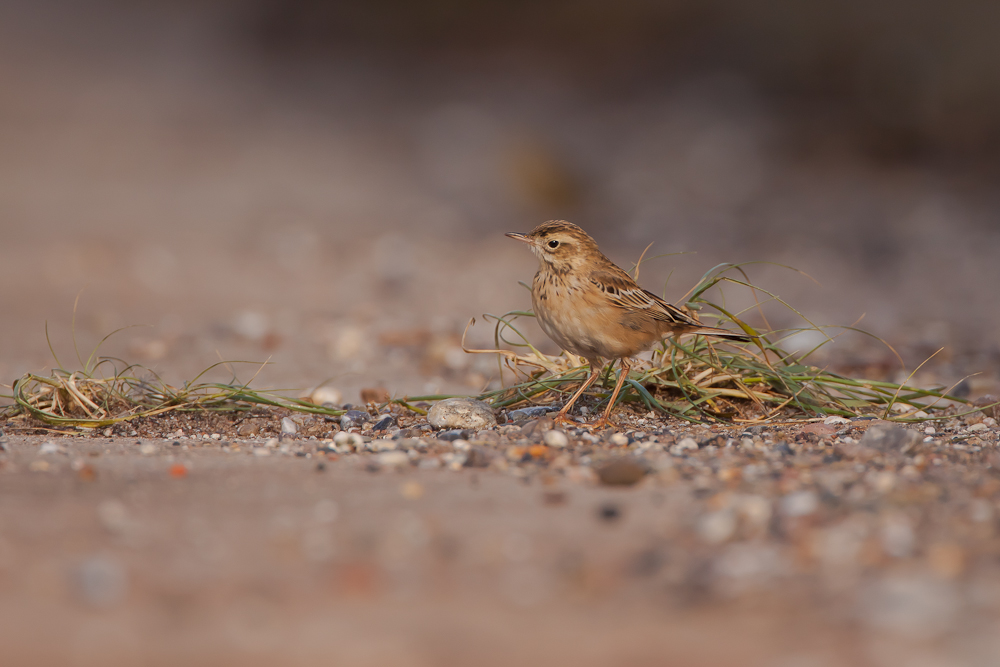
{"points": [[590, 307]]}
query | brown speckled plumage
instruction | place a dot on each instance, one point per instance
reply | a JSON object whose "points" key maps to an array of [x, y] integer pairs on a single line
{"points": [[592, 308]]}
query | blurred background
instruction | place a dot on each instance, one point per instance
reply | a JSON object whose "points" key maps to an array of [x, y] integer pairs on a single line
{"points": [[327, 184]]}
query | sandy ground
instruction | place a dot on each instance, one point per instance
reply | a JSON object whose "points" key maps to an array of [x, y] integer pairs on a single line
{"points": [[345, 222]]}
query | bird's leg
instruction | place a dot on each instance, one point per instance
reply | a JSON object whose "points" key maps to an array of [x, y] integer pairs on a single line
{"points": [[562, 416], [605, 419]]}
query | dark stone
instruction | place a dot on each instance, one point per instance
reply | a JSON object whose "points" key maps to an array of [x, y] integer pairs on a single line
{"points": [[176, 443], [990, 405], [783, 449], [529, 413], [455, 434], [353, 418], [320, 467], [385, 423], [301, 454], [609, 512], [889, 438], [479, 457], [554, 497], [621, 471], [717, 440]]}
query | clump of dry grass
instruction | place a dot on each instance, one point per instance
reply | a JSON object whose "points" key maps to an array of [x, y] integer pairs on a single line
{"points": [[107, 391], [699, 379]]}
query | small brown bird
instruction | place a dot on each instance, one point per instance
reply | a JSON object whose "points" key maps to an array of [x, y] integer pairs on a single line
{"points": [[592, 308]]}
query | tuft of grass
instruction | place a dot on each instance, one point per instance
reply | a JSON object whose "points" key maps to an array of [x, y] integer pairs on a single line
{"points": [[107, 391], [701, 379]]}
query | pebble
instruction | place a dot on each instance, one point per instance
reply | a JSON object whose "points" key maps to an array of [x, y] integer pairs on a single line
{"points": [[353, 418], [555, 438], [385, 423], [326, 396], [609, 512], [688, 444], [621, 440], [288, 427], [799, 503], [261, 451], [147, 449], [717, 527], [461, 413], [394, 459], [529, 413], [836, 420], [978, 427], [889, 438], [454, 434], [49, 447], [621, 471]]}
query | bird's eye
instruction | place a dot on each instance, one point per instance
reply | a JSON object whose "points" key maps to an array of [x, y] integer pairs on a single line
{"points": [[553, 244]]}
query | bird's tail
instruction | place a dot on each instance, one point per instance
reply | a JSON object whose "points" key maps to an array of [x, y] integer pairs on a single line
{"points": [[719, 333]]}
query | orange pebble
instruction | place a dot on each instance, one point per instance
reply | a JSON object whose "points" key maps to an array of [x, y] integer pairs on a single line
{"points": [[178, 470]]}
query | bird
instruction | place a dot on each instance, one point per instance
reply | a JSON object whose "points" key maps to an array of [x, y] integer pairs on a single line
{"points": [[592, 308]]}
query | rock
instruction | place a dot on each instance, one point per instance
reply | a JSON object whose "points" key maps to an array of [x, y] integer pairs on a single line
{"points": [[326, 396], [49, 447], [555, 438], [683, 446], [261, 451], [717, 527], [375, 395], [887, 437], [819, 429], [990, 405], [620, 440], [978, 427], [478, 456], [455, 434], [147, 449], [622, 471], [534, 429], [353, 418], [461, 413], [247, 429], [394, 459], [288, 427], [836, 420], [799, 503], [385, 423], [529, 413]]}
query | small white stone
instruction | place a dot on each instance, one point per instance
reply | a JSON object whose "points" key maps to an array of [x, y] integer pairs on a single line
{"points": [[261, 451], [394, 459], [147, 449], [555, 438], [460, 445], [288, 426], [620, 440], [271, 442], [834, 419], [384, 444], [216, 436], [688, 443], [930, 430], [49, 447], [989, 421], [978, 427], [323, 395], [799, 503], [717, 527]]}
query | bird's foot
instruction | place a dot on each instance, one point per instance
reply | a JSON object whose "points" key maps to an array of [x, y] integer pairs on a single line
{"points": [[563, 418], [601, 424]]}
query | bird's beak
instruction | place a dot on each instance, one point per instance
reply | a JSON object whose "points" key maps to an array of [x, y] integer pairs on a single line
{"points": [[519, 237]]}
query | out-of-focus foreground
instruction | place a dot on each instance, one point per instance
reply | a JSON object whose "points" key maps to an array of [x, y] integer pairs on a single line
{"points": [[327, 185]]}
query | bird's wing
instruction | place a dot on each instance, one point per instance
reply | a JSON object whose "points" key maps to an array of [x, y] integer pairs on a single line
{"points": [[625, 294]]}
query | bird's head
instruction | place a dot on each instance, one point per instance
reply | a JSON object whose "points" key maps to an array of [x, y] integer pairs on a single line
{"points": [[559, 244]]}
